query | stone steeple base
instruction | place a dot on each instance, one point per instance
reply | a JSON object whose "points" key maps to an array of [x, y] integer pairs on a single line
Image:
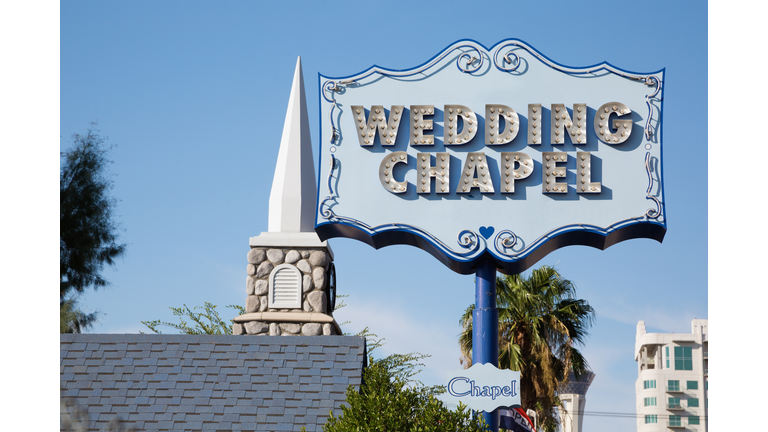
{"points": [[314, 261]]}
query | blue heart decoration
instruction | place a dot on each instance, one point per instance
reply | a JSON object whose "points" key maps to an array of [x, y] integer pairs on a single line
{"points": [[486, 232]]}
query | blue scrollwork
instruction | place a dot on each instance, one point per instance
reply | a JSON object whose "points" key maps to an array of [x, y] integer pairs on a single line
{"points": [[650, 80], [470, 60], [331, 86], [468, 239], [505, 239], [326, 212], [513, 63], [651, 213]]}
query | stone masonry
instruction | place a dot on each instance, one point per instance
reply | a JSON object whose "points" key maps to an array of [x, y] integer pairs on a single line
{"points": [[314, 265]]}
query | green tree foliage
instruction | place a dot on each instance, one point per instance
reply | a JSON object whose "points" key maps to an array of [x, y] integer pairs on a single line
{"points": [[88, 233], [390, 399], [209, 322], [540, 322], [72, 319], [206, 322]]}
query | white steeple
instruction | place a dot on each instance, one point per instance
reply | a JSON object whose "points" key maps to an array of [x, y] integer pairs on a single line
{"points": [[294, 191], [293, 199]]}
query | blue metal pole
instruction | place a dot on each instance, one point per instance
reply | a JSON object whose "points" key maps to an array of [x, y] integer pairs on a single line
{"points": [[485, 326]]}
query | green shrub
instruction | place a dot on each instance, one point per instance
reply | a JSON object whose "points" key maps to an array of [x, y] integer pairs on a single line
{"points": [[391, 400]]}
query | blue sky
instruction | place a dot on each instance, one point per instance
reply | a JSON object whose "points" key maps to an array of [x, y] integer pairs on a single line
{"points": [[194, 95]]}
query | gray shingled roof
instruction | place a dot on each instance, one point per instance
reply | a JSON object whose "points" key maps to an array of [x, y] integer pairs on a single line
{"points": [[207, 382]]}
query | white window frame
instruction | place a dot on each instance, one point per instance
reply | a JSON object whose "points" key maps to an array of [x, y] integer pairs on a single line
{"points": [[285, 304]]}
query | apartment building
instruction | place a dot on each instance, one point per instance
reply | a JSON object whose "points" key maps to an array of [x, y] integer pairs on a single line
{"points": [[672, 377]]}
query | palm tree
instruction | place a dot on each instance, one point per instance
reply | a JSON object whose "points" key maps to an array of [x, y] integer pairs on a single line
{"points": [[540, 321]]}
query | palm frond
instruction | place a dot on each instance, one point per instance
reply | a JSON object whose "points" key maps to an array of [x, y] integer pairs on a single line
{"points": [[540, 321]]}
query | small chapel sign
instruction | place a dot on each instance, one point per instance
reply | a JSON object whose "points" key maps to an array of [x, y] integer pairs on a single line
{"points": [[483, 387]]}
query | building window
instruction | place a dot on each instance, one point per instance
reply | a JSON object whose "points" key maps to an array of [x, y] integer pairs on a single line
{"points": [[693, 420], [683, 358], [692, 385], [693, 402], [674, 402], [650, 401], [673, 385], [285, 287], [649, 384], [675, 420], [667, 357], [651, 419]]}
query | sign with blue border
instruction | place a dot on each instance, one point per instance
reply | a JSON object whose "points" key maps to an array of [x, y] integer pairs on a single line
{"points": [[483, 387], [491, 153]]}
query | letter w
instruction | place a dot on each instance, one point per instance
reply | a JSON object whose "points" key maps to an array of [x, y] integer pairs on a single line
{"points": [[367, 128]]}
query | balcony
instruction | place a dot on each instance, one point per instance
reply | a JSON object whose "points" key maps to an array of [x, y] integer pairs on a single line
{"points": [[675, 424], [648, 363], [674, 406], [675, 389], [706, 355], [706, 372]]}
